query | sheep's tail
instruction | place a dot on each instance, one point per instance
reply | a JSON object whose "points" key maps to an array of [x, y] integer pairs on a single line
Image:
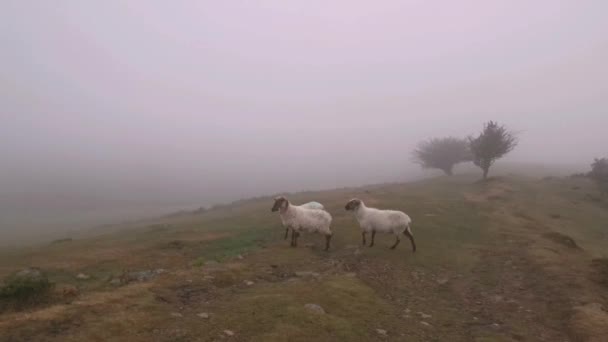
{"points": [[410, 235]]}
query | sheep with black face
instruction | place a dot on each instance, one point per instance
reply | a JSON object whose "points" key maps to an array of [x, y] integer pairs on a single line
{"points": [[374, 221], [301, 219]]}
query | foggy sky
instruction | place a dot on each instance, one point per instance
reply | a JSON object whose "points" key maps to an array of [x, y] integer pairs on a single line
{"points": [[214, 100]]}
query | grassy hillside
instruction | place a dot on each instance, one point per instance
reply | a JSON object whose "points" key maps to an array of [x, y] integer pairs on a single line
{"points": [[512, 259]]}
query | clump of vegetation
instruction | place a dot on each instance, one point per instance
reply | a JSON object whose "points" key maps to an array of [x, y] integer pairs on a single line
{"points": [[26, 287], [493, 143], [442, 153], [599, 173]]}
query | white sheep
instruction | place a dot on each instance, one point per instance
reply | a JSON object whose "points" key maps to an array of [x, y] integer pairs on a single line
{"points": [[313, 205], [381, 221], [301, 219]]}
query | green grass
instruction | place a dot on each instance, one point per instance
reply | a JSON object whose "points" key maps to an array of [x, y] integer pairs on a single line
{"points": [[476, 240]]}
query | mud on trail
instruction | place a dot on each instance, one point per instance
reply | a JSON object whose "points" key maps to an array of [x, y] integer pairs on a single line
{"points": [[494, 263]]}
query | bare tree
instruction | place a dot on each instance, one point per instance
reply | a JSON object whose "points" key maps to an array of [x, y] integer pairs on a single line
{"points": [[599, 173], [494, 142], [442, 153]]}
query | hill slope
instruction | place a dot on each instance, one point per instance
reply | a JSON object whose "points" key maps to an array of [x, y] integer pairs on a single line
{"points": [[512, 259]]}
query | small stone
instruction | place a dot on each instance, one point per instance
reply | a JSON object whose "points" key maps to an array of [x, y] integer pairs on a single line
{"points": [[229, 332], [315, 308], [382, 332], [424, 316], [407, 311], [176, 314], [115, 282], [496, 326], [497, 298], [82, 276], [425, 324], [303, 274], [203, 315], [240, 257], [249, 283], [442, 281]]}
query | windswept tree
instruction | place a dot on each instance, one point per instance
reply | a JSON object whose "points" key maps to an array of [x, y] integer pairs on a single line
{"points": [[599, 173], [493, 143], [442, 153]]}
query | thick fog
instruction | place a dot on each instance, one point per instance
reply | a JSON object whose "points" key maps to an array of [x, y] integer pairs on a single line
{"points": [[115, 109]]}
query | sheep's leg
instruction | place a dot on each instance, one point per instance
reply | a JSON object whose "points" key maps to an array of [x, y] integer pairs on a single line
{"points": [[327, 240], [293, 238], [295, 242], [286, 233], [408, 233], [373, 237], [396, 242], [363, 237]]}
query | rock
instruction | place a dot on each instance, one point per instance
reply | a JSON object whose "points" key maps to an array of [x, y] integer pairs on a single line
{"points": [[304, 274], [407, 310], [203, 315], [82, 276], [115, 282], [496, 326], [176, 315], [425, 324], [141, 276], [424, 316], [240, 257], [228, 332], [208, 277], [315, 308], [442, 280], [382, 332], [31, 273], [497, 299], [249, 283]]}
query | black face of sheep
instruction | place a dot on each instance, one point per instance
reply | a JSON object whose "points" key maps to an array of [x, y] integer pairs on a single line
{"points": [[353, 204], [279, 202]]}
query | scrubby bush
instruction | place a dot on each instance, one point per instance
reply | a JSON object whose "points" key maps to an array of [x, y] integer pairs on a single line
{"points": [[442, 153], [599, 173], [493, 143], [25, 287]]}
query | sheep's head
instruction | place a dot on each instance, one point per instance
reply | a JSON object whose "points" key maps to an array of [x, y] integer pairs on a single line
{"points": [[353, 204], [280, 203]]}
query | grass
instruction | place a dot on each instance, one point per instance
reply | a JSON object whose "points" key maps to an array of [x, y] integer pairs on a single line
{"points": [[496, 261]]}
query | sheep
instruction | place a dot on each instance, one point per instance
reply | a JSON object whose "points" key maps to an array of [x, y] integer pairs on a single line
{"points": [[381, 221], [309, 205], [313, 205], [301, 219]]}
